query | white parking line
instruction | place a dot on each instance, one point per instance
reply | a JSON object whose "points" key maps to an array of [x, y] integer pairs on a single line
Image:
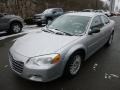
{"points": [[4, 37], [25, 31]]}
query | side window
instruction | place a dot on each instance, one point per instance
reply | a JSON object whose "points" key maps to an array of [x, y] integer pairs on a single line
{"points": [[57, 11], [105, 19], [54, 11], [60, 10], [97, 23]]}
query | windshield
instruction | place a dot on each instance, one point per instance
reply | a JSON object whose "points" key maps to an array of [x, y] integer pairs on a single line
{"points": [[71, 24], [47, 11], [99, 11], [87, 10]]}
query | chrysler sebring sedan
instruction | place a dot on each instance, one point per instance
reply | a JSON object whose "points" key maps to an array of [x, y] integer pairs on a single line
{"points": [[60, 47]]}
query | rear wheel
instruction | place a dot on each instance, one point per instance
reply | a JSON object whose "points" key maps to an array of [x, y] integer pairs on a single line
{"points": [[39, 24], [15, 28], [109, 42], [73, 65]]}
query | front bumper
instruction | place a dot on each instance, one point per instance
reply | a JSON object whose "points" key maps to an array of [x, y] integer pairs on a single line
{"points": [[41, 74], [43, 21]]}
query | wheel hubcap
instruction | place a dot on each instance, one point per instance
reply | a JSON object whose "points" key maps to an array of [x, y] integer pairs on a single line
{"points": [[16, 28], [75, 65]]}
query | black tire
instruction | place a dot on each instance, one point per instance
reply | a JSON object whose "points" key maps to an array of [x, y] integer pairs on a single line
{"points": [[39, 24], [71, 62], [15, 28], [109, 42]]}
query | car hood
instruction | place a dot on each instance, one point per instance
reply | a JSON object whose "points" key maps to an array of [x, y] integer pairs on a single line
{"points": [[43, 14], [40, 43], [11, 16]]}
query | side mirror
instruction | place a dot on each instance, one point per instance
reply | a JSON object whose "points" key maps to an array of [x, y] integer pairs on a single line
{"points": [[54, 12], [94, 30]]}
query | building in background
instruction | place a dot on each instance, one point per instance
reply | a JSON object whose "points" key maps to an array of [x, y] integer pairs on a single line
{"points": [[117, 5], [114, 5]]}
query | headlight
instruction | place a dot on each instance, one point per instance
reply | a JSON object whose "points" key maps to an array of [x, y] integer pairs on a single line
{"points": [[47, 59]]}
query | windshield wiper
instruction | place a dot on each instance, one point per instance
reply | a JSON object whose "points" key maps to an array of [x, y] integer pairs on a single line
{"points": [[48, 30], [62, 32], [58, 32]]}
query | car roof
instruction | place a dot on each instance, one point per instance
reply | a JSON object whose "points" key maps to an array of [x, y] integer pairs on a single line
{"points": [[54, 8], [88, 14], [88, 9]]}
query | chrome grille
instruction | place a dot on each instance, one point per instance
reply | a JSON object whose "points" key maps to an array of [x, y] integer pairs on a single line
{"points": [[17, 66], [37, 17]]}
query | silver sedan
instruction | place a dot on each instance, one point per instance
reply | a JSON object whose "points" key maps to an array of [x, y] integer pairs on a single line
{"points": [[59, 48]]}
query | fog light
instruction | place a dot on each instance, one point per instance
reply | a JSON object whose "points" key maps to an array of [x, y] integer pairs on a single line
{"points": [[36, 78]]}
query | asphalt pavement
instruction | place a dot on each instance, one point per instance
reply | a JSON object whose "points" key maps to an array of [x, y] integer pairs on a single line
{"points": [[100, 72]]}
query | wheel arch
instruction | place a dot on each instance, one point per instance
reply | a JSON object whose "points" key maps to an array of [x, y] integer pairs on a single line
{"points": [[71, 52], [16, 21], [75, 49]]}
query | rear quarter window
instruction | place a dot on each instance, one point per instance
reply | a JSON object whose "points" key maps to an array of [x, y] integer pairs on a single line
{"points": [[97, 22], [105, 19]]}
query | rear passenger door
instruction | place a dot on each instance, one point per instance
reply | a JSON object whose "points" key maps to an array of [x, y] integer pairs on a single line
{"points": [[96, 40], [107, 27]]}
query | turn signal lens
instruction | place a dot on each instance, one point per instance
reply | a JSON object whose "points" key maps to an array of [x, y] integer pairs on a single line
{"points": [[56, 59]]}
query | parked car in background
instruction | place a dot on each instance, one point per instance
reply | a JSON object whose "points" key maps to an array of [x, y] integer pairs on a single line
{"points": [[47, 16], [88, 10], [107, 13], [70, 12], [116, 13], [10, 23], [60, 47]]}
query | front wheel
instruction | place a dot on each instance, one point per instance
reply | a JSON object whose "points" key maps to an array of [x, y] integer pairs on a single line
{"points": [[73, 65], [39, 24], [15, 28]]}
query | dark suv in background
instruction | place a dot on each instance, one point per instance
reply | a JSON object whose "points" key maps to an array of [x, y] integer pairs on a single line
{"points": [[47, 16], [10, 23]]}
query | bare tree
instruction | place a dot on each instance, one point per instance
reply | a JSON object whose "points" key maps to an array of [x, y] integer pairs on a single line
{"points": [[27, 8]]}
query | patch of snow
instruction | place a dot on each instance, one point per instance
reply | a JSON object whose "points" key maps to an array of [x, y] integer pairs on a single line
{"points": [[5, 66], [110, 76], [4, 37], [115, 76], [95, 66]]}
